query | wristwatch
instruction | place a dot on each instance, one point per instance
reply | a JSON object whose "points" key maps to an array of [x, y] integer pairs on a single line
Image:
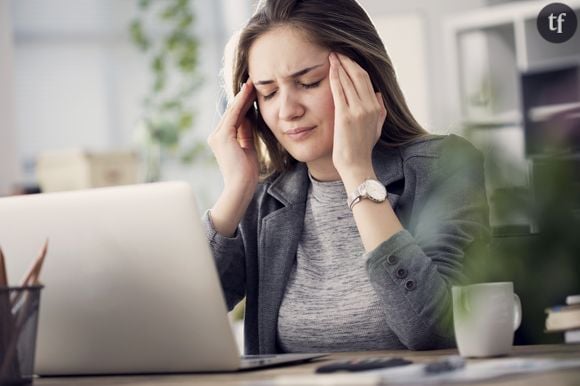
{"points": [[371, 189]]}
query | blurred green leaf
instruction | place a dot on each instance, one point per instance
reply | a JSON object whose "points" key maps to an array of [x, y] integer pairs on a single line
{"points": [[169, 12], [185, 21], [185, 121], [138, 36], [166, 134], [159, 84], [158, 64], [173, 104], [144, 4]]}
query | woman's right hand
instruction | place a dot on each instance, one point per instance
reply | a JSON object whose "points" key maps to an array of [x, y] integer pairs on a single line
{"points": [[233, 146]]}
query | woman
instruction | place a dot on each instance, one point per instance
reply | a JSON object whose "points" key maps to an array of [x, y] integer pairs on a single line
{"points": [[327, 258]]}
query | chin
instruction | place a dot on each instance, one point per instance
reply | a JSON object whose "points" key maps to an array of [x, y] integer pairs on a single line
{"points": [[305, 156]]}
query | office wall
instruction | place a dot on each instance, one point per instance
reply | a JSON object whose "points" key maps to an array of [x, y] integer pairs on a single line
{"points": [[77, 70], [102, 113], [8, 153], [433, 14]]}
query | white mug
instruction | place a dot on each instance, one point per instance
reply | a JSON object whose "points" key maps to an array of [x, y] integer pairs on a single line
{"points": [[485, 317]]}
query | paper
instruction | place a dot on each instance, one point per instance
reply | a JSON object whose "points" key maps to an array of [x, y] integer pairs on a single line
{"points": [[415, 374]]}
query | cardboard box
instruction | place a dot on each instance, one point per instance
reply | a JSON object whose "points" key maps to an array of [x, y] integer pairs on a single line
{"points": [[78, 169]]}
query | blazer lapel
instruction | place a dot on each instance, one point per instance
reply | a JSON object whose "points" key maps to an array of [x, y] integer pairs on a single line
{"points": [[388, 166], [279, 237]]}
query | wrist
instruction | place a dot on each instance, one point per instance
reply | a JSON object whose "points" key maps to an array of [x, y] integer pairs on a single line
{"points": [[229, 209], [241, 189], [355, 176]]}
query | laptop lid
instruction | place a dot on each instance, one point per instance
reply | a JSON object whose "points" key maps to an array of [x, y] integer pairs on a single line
{"points": [[130, 283]]}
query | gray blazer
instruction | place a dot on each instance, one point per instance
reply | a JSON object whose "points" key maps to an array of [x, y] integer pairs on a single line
{"points": [[436, 187]]}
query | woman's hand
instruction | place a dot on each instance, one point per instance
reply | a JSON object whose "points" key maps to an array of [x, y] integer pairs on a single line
{"points": [[359, 114], [233, 145]]}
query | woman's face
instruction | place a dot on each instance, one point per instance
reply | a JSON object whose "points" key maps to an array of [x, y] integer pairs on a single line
{"points": [[290, 75]]}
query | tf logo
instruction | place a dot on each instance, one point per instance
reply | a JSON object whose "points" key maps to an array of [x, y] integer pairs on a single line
{"points": [[557, 23]]}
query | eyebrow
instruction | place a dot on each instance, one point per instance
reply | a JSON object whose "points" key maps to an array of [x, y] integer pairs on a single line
{"points": [[293, 75]]}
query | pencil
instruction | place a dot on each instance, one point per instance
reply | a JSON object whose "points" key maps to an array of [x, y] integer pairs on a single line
{"points": [[34, 271], [3, 273]]}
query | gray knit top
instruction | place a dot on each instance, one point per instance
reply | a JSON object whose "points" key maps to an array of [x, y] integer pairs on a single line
{"points": [[329, 303]]}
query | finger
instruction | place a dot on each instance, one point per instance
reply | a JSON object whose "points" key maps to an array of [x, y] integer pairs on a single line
{"points": [[240, 105], [335, 86], [347, 85], [245, 135], [382, 115], [359, 77], [248, 102]]}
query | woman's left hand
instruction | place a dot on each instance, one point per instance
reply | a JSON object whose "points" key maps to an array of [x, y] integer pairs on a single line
{"points": [[359, 114]]}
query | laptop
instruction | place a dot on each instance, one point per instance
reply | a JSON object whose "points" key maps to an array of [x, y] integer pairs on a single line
{"points": [[130, 282]]}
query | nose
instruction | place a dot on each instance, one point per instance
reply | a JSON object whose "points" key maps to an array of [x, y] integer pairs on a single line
{"points": [[291, 106]]}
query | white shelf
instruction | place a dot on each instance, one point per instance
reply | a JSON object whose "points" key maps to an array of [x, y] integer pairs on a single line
{"points": [[495, 53], [489, 48], [544, 113], [509, 13], [507, 118]]}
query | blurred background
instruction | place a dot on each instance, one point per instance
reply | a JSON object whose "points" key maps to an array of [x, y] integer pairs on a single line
{"points": [[107, 92]]}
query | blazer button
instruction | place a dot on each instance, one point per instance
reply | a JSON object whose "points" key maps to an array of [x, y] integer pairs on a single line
{"points": [[410, 285], [392, 260], [401, 273]]}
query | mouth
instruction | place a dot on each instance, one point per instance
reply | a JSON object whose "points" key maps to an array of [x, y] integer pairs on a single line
{"points": [[298, 130]]}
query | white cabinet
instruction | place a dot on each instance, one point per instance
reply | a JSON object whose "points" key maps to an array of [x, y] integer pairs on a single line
{"points": [[488, 50], [506, 81]]}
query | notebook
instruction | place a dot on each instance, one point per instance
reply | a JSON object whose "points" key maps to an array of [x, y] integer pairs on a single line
{"points": [[130, 282]]}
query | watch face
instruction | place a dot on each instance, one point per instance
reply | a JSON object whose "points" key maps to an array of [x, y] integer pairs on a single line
{"points": [[375, 190]]}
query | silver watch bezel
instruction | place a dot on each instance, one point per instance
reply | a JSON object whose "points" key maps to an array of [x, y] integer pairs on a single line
{"points": [[373, 190], [370, 188]]}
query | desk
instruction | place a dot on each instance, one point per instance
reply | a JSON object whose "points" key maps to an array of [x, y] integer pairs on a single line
{"points": [[554, 378]]}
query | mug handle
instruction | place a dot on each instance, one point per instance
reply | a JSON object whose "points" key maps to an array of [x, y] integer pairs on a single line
{"points": [[517, 312]]}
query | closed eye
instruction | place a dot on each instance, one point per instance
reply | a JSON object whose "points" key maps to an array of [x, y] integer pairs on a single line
{"points": [[269, 96], [303, 85], [310, 85]]}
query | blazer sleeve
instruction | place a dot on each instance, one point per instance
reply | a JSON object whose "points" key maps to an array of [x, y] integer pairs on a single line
{"points": [[413, 271], [229, 256]]}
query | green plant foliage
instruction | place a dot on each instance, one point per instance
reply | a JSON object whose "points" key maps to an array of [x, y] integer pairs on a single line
{"points": [[543, 262], [163, 31]]}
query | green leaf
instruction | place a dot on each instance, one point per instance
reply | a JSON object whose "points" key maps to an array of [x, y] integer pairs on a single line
{"points": [[166, 134], [158, 64], [159, 84], [185, 21], [171, 105], [185, 120], [144, 4], [175, 52], [138, 36], [169, 12]]}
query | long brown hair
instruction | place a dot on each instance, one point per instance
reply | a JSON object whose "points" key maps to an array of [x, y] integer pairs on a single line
{"points": [[341, 26]]}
